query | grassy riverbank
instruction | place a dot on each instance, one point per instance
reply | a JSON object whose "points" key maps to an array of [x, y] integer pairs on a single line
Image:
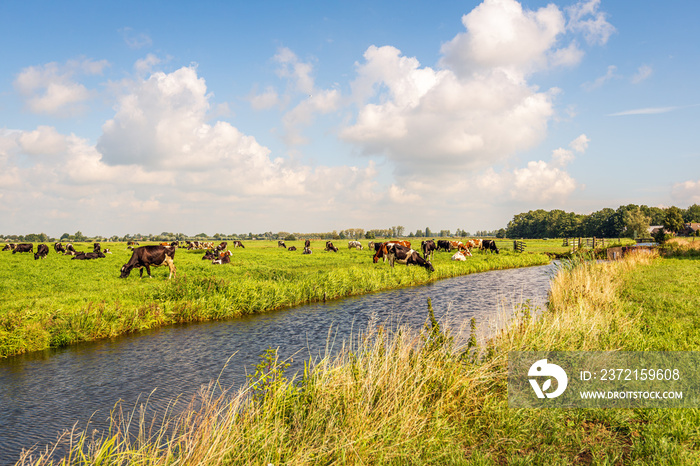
{"points": [[393, 397], [58, 301]]}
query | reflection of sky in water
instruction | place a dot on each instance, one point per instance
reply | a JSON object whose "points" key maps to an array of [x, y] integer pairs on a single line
{"points": [[45, 392]]}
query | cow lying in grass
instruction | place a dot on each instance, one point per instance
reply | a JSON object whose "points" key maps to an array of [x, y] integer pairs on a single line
{"points": [[147, 256]]}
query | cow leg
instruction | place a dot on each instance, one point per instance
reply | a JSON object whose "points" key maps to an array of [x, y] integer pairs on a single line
{"points": [[171, 266]]}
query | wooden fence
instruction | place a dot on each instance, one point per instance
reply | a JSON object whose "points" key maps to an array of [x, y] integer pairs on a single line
{"points": [[577, 243], [518, 246]]}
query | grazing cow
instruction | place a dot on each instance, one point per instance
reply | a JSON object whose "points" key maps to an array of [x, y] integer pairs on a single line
{"points": [[476, 243], [24, 247], [41, 251], [489, 245], [132, 243], [238, 244], [70, 250], [222, 246], [428, 248], [147, 256], [330, 247], [355, 244], [280, 244], [9, 247], [87, 256], [444, 244], [404, 255], [292, 248], [370, 245], [457, 245], [307, 243], [307, 251], [58, 247], [382, 252]]}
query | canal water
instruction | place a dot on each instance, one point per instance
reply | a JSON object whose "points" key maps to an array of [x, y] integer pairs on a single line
{"points": [[45, 393]]}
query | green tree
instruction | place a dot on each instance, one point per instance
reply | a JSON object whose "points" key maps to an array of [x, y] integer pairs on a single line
{"points": [[674, 220], [692, 214], [636, 223]]}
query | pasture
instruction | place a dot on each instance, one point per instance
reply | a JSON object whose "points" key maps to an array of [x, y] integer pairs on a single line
{"points": [[58, 301]]}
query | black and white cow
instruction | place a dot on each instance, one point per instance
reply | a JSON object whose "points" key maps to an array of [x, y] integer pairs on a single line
{"points": [[489, 245], [280, 244], [404, 255], [307, 251], [41, 251], [81, 256], [58, 247], [428, 248], [330, 247], [355, 244], [24, 247], [238, 244], [147, 256], [444, 244]]}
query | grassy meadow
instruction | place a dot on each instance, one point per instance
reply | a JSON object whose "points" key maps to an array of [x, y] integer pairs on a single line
{"points": [[58, 301], [393, 396]]}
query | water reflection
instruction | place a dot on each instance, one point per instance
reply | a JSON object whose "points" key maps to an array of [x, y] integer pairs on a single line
{"points": [[43, 393]]}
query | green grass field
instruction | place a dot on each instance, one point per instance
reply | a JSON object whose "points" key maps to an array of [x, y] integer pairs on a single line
{"points": [[58, 301]]}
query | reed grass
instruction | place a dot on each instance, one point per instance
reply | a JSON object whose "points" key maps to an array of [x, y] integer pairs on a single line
{"points": [[395, 396]]}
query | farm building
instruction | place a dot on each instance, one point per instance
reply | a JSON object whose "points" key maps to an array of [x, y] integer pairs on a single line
{"points": [[690, 229]]}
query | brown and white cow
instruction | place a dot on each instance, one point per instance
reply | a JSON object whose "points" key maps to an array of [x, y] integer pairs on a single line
{"points": [[238, 244], [330, 247], [147, 256], [224, 258]]}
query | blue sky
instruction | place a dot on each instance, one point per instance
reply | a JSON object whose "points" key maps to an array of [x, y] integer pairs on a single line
{"points": [[228, 117]]}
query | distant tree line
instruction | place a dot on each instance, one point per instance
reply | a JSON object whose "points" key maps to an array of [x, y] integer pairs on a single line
{"points": [[627, 221]]}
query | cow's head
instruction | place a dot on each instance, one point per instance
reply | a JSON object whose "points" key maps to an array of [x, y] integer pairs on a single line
{"points": [[126, 270]]}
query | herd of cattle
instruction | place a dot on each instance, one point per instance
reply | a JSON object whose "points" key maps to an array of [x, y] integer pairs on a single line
{"points": [[164, 253]]}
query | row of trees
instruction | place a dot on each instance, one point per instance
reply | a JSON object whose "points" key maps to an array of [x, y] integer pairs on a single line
{"points": [[349, 233], [629, 221]]}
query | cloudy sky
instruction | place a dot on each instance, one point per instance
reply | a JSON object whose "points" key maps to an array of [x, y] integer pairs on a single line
{"points": [[230, 117]]}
